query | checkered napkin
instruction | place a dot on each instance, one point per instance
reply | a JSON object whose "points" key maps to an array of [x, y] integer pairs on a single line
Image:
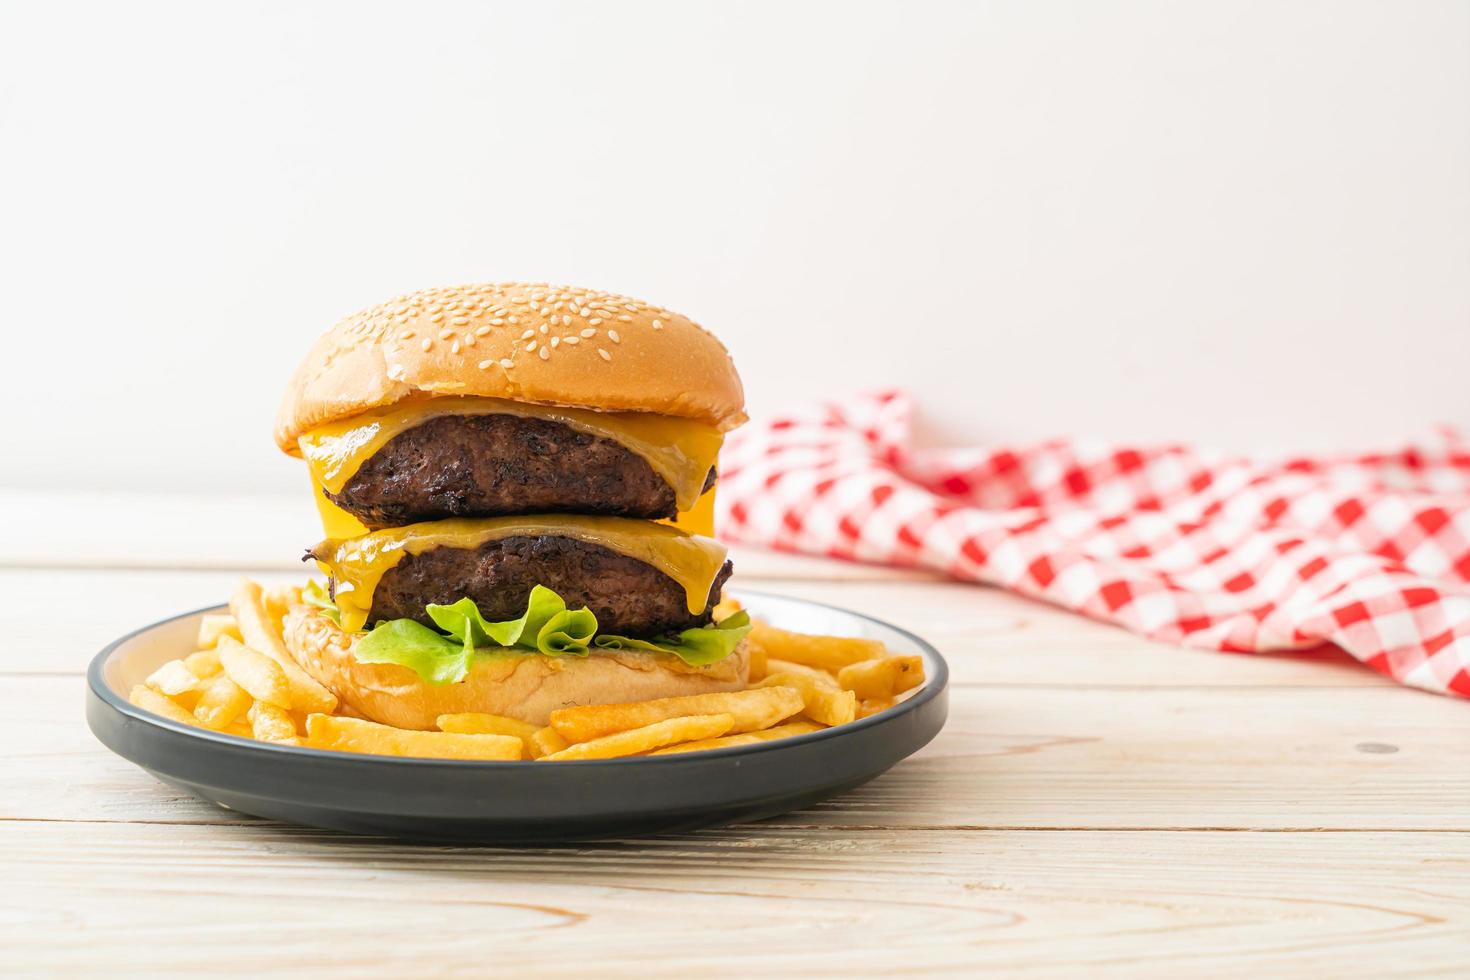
{"points": [[1368, 552]]}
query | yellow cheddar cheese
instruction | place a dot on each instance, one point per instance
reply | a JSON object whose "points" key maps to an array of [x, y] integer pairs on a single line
{"points": [[357, 564]]}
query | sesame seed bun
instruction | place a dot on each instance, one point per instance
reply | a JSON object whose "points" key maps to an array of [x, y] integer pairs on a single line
{"points": [[524, 686], [529, 342]]}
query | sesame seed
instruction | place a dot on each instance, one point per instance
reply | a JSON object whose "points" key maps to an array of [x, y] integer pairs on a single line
{"points": [[406, 335], [589, 332], [595, 320], [555, 341], [613, 336], [543, 328], [531, 345], [572, 340], [625, 317], [545, 311], [544, 353], [436, 317], [506, 362], [427, 343], [603, 354], [445, 334], [485, 364], [482, 330], [584, 311], [658, 324], [566, 321], [528, 335], [497, 321], [454, 347], [469, 340], [462, 320]]}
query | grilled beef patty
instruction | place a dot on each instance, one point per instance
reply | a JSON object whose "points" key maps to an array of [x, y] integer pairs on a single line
{"points": [[628, 597], [496, 465]]}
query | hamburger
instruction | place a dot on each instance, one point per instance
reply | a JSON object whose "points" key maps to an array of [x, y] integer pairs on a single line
{"points": [[516, 483]]}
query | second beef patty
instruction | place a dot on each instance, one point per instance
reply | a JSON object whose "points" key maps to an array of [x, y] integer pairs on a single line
{"points": [[628, 597]]}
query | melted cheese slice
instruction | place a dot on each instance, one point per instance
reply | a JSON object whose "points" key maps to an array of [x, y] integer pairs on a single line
{"points": [[679, 450], [357, 564]]}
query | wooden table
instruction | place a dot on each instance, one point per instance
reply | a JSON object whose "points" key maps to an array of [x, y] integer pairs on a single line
{"points": [[1097, 803]]}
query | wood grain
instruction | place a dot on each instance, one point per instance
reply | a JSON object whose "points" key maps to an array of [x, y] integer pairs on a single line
{"points": [[756, 901]]}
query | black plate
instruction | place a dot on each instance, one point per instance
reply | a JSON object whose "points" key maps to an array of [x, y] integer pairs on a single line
{"points": [[500, 802]]}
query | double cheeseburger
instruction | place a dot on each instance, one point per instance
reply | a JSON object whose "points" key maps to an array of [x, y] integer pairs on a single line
{"points": [[511, 477]]}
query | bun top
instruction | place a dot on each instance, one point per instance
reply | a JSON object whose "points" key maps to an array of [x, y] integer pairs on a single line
{"points": [[528, 342]]}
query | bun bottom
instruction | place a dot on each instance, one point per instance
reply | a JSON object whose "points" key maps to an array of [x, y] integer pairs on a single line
{"points": [[516, 685]]}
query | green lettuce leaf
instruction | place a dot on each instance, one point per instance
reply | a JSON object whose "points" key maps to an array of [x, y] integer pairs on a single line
{"points": [[697, 647], [315, 594], [434, 657], [547, 627]]}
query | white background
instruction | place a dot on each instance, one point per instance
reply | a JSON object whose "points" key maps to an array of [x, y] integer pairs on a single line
{"points": [[1245, 224]]}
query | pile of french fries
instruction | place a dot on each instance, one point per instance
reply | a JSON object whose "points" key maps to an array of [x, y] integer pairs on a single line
{"points": [[242, 681]]}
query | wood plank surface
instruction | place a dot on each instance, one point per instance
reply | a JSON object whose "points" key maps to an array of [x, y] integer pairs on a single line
{"points": [[755, 901], [1097, 805]]}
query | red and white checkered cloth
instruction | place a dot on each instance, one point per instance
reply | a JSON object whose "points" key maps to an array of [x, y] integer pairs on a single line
{"points": [[1368, 552]]}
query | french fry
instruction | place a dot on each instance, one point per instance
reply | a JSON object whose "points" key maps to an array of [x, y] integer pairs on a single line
{"points": [[221, 703], [706, 744], [749, 710], [726, 607], [688, 728], [884, 677], [212, 626], [747, 738], [830, 653], [278, 599], [174, 678], [352, 735], [306, 693], [545, 742], [758, 666], [261, 635], [477, 723], [203, 664], [270, 723], [148, 699], [778, 666], [258, 674], [802, 726], [827, 705], [871, 706], [247, 605]]}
